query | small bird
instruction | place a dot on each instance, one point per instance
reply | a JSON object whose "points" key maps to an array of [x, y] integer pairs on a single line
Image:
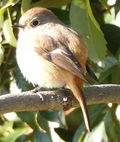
{"points": [[50, 54]]}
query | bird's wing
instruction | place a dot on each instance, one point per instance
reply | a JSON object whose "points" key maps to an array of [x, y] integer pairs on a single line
{"points": [[59, 54]]}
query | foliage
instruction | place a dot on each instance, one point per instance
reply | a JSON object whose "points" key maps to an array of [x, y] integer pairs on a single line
{"points": [[99, 24]]}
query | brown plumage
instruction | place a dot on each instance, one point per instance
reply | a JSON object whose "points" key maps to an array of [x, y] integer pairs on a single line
{"points": [[50, 54]]}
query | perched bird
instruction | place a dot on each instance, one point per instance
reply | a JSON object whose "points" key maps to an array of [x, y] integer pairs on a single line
{"points": [[50, 54]]}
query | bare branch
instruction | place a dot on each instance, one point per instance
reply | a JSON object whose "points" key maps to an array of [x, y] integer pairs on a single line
{"points": [[61, 99]]}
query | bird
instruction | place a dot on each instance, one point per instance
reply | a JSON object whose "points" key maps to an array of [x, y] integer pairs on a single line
{"points": [[52, 55]]}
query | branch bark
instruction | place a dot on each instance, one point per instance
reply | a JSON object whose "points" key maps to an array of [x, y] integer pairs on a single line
{"points": [[60, 99]]}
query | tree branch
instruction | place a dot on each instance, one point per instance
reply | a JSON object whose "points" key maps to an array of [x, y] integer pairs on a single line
{"points": [[60, 99]]}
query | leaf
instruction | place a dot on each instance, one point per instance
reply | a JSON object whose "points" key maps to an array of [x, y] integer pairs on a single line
{"points": [[8, 32], [7, 126], [19, 80], [63, 15], [51, 115], [107, 72], [79, 135], [1, 54], [112, 36], [44, 124], [104, 3], [30, 118], [85, 23], [98, 113], [7, 3], [98, 134], [25, 5], [51, 3], [66, 135], [117, 7], [110, 128], [13, 136], [41, 137], [55, 116], [109, 68], [116, 75]]}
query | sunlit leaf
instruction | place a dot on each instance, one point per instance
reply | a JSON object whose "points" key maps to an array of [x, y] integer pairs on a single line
{"points": [[85, 24], [13, 136], [104, 3], [7, 126], [8, 31], [7, 3], [98, 133]]}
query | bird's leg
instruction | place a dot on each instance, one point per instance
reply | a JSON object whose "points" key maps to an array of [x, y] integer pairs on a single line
{"points": [[36, 90]]}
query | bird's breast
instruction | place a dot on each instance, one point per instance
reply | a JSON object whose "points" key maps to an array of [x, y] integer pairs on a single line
{"points": [[36, 69]]}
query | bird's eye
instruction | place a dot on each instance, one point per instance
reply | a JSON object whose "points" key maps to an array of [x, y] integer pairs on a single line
{"points": [[35, 22]]}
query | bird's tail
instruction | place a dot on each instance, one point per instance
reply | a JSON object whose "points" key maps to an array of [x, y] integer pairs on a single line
{"points": [[77, 88]]}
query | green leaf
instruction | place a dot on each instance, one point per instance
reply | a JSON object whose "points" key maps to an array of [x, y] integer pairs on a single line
{"points": [[55, 116], [110, 66], [80, 133], [1, 54], [98, 112], [13, 136], [97, 134], [30, 118], [116, 75], [25, 5], [110, 128], [41, 137], [7, 3], [8, 31], [51, 3], [63, 15], [107, 72], [6, 126], [66, 135], [2, 10], [86, 25], [104, 3], [44, 124], [117, 7], [19, 80], [51, 115], [112, 36]]}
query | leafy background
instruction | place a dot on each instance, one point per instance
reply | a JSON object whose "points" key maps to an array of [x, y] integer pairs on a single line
{"points": [[98, 21]]}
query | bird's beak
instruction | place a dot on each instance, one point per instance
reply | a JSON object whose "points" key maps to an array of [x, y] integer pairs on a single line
{"points": [[18, 26]]}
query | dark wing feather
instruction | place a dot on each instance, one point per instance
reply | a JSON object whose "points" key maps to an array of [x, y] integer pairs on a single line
{"points": [[67, 61], [90, 71]]}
